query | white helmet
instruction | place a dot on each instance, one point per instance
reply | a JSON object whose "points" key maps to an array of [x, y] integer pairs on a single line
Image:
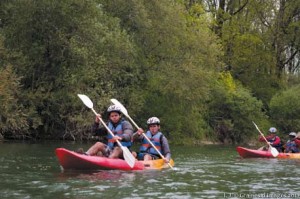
{"points": [[292, 134], [114, 108], [153, 120], [272, 130]]}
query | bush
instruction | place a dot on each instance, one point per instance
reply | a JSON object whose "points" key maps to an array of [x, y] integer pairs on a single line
{"points": [[285, 109], [231, 111]]}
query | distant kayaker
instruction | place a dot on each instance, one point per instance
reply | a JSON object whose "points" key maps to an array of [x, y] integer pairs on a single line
{"points": [[147, 151], [121, 129], [293, 144], [273, 139]]}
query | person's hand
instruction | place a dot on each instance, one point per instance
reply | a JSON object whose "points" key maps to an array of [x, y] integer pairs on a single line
{"points": [[166, 160], [97, 120], [140, 131], [115, 138]]}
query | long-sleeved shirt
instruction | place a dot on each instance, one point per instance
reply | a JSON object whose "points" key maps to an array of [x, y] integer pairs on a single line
{"points": [[164, 144], [127, 128], [297, 141], [274, 141]]}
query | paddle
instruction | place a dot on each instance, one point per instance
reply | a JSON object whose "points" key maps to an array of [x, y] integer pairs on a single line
{"points": [[274, 151], [130, 160], [124, 111]]}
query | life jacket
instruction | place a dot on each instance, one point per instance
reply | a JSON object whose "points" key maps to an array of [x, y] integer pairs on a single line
{"points": [[277, 146], [156, 140], [291, 146], [273, 140], [116, 130]]}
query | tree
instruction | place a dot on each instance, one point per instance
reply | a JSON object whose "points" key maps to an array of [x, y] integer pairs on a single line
{"points": [[67, 47], [15, 119], [178, 53], [285, 109], [233, 109]]}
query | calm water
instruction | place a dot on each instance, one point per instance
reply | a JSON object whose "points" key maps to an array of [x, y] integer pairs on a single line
{"points": [[32, 171]]}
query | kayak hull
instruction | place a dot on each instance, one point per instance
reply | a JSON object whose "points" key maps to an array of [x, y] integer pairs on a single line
{"points": [[70, 160], [252, 153]]}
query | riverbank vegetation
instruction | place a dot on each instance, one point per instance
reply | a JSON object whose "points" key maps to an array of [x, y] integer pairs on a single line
{"points": [[206, 68]]}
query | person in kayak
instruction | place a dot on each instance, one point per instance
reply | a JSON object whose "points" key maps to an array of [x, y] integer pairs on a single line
{"points": [[121, 129], [293, 144], [147, 152], [273, 139]]}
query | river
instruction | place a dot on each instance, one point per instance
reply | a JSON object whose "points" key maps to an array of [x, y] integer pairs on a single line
{"points": [[31, 170]]}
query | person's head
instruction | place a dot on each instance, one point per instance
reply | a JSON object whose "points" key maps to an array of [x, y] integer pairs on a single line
{"points": [[292, 135], [114, 113], [153, 124], [273, 131]]}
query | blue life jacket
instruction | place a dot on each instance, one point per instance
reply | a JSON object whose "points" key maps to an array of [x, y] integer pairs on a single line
{"points": [[291, 146], [118, 130], [156, 140]]}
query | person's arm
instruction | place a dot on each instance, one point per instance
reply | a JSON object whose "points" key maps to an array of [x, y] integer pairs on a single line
{"points": [[138, 135], [165, 148], [268, 138], [261, 139], [297, 141], [127, 132], [97, 128], [276, 141]]}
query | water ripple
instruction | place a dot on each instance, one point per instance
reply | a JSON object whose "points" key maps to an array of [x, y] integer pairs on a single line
{"points": [[32, 171]]}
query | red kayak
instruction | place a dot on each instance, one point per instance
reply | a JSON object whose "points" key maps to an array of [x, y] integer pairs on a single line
{"points": [[72, 160], [252, 153]]}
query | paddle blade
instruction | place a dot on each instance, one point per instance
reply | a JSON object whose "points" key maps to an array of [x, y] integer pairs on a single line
{"points": [[86, 100], [274, 152], [128, 157], [117, 103]]}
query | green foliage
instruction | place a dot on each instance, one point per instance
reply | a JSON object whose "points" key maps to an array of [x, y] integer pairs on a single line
{"points": [[181, 122], [177, 53], [285, 109], [232, 110], [16, 119], [249, 54], [12, 115], [159, 58], [68, 47], [253, 66]]}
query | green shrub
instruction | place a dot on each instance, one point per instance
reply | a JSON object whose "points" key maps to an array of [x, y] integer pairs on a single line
{"points": [[285, 109], [231, 111]]}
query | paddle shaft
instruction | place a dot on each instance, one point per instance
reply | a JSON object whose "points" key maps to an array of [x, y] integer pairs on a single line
{"points": [[103, 123], [272, 149], [128, 157], [161, 155], [263, 136]]}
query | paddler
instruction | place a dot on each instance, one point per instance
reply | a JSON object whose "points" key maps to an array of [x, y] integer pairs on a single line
{"points": [[273, 139], [121, 129], [147, 151], [293, 144]]}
